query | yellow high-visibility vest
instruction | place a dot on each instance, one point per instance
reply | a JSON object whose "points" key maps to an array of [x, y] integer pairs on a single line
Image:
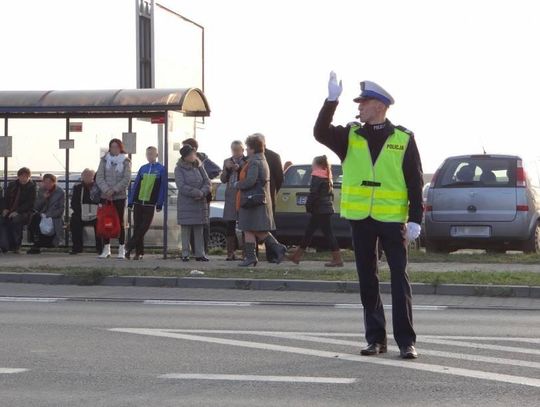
{"points": [[376, 190]]}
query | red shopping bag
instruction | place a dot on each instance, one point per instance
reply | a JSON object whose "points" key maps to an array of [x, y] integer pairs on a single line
{"points": [[108, 222]]}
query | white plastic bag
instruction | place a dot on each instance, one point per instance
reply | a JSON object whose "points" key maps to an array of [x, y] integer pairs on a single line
{"points": [[46, 226]]}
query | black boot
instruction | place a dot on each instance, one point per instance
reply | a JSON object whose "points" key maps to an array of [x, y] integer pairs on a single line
{"points": [[277, 248], [250, 258]]}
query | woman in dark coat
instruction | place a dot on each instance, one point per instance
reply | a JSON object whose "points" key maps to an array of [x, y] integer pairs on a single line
{"points": [[229, 175], [319, 205], [256, 220], [49, 204]]}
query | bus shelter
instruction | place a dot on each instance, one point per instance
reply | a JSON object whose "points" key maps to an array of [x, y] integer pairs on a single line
{"points": [[153, 104]]}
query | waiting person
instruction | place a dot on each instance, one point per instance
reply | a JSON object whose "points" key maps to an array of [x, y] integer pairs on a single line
{"points": [[319, 205], [229, 175], [256, 221], [276, 180], [212, 170], [16, 210], [276, 170], [113, 177], [148, 192], [3, 241], [192, 209], [286, 166], [49, 204], [84, 212]]}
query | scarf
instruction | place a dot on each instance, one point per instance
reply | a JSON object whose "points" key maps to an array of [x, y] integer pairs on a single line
{"points": [[241, 176], [320, 172], [117, 160]]}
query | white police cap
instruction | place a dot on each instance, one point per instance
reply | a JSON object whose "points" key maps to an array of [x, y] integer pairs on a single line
{"points": [[370, 90]]}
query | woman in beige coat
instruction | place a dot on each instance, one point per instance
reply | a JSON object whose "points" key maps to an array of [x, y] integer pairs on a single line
{"points": [[113, 177]]}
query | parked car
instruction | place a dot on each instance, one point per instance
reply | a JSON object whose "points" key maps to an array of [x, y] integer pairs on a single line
{"points": [[485, 201]]}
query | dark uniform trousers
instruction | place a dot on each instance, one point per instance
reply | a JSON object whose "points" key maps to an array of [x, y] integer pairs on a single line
{"points": [[391, 235]]}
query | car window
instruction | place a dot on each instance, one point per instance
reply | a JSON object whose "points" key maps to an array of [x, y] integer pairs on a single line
{"points": [[478, 172], [300, 175], [297, 176]]}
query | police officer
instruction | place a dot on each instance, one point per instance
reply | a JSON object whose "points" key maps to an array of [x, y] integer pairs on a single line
{"points": [[381, 196]]}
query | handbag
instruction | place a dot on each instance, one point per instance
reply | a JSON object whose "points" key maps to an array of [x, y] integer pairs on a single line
{"points": [[46, 226], [108, 222], [88, 211], [253, 197]]}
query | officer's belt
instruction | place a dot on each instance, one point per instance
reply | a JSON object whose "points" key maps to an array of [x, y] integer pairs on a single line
{"points": [[370, 184]]}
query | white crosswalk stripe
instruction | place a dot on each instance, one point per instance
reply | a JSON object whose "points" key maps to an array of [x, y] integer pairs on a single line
{"points": [[486, 366], [7, 370]]}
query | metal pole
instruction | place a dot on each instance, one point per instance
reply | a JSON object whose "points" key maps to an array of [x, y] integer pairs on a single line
{"points": [[166, 202], [202, 59], [130, 127], [66, 209], [5, 158]]}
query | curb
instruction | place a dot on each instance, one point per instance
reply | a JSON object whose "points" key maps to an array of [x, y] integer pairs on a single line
{"points": [[273, 285]]}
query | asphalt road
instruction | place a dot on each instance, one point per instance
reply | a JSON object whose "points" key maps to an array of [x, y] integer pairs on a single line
{"points": [[239, 354]]}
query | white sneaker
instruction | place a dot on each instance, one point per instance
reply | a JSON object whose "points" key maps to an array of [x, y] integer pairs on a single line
{"points": [[121, 251], [106, 253]]}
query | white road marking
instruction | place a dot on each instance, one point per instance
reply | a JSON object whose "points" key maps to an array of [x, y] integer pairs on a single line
{"points": [[30, 299], [202, 303], [5, 370], [448, 370], [389, 307], [442, 354], [258, 378], [481, 346], [486, 338]]}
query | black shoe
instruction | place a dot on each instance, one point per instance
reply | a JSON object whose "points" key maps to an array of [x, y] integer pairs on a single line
{"points": [[373, 349], [137, 257], [74, 252], [408, 352], [202, 258], [33, 250], [185, 258]]}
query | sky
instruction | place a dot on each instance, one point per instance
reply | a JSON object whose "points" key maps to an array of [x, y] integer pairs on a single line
{"points": [[465, 74]]}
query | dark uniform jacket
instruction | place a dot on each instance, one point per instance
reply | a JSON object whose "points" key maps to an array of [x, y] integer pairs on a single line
{"points": [[337, 139]]}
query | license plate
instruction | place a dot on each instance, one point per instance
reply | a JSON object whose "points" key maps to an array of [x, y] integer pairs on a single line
{"points": [[301, 200], [470, 231]]}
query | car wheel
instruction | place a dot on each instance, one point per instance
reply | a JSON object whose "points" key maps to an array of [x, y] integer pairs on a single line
{"points": [[217, 238], [432, 247], [532, 245]]}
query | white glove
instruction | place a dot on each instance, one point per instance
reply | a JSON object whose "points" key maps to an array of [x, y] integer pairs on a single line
{"points": [[413, 231], [334, 89]]}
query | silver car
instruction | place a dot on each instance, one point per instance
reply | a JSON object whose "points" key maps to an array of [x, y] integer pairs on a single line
{"points": [[489, 202]]}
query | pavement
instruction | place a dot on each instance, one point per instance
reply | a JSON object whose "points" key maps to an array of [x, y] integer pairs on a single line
{"points": [[55, 260], [214, 348], [28, 269]]}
